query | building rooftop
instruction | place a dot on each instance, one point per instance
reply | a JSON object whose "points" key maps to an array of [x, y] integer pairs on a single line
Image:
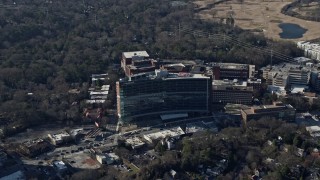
{"points": [[134, 142], [164, 75], [105, 87], [58, 137], [302, 59], [135, 53], [284, 68], [82, 160], [113, 156], [230, 65], [98, 101], [172, 132], [32, 142], [195, 127], [313, 130], [99, 75], [279, 90], [230, 85], [268, 108], [75, 132], [60, 165]]}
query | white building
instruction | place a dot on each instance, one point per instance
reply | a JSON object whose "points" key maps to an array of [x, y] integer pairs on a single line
{"points": [[135, 142], [57, 139], [76, 132], [313, 130], [60, 166], [107, 158], [311, 50], [287, 74], [175, 132]]}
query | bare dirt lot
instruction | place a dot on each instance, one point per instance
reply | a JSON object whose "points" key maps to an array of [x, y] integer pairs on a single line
{"points": [[256, 14]]}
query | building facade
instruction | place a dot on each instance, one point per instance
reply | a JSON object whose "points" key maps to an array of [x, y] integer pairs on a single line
{"points": [[299, 76], [287, 74], [277, 111], [163, 93], [137, 62], [128, 57], [315, 81], [311, 50], [228, 91], [232, 71]]}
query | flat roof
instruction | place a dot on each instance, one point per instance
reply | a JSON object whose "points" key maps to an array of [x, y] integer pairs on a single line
{"points": [[234, 82], [164, 75], [59, 136], [76, 131], [99, 92], [172, 132], [231, 65], [195, 127], [99, 75], [302, 59], [135, 141], [89, 101], [268, 108], [82, 160], [60, 165], [312, 129], [135, 53]]}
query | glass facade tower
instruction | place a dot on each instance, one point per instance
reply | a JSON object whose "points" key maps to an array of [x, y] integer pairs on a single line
{"points": [[163, 96]]}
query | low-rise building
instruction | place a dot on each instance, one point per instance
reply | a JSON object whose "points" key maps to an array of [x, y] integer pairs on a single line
{"points": [[135, 142], [60, 166], [102, 159], [108, 158], [97, 77], [313, 130], [278, 90], [175, 132], [195, 127], [201, 126], [57, 139], [277, 110], [35, 147], [76, 132]]}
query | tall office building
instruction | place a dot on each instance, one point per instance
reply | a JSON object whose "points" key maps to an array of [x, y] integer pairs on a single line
{"points": [[163, 93]]}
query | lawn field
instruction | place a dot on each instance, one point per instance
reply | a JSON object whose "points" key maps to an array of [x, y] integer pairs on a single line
{"points": [[255, 15]]}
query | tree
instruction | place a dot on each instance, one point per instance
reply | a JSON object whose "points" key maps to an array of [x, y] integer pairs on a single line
{"points": [[160, 148]]}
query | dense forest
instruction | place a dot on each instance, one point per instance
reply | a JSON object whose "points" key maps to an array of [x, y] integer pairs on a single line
{"points": [[49, 47]]}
